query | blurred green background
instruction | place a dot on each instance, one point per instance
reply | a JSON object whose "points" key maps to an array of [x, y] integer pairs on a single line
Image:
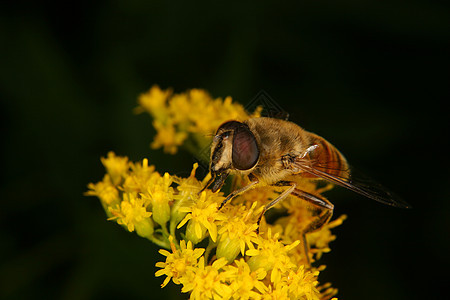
{"points": [[369, 76]]}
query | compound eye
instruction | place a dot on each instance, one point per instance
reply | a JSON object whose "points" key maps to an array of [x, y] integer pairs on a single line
{"points": [[245, 150]]}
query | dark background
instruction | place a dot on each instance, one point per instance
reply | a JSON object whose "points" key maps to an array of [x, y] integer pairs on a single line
{"points": [[369, 76]]}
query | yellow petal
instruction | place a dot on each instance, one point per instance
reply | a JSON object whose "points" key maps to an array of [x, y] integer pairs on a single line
{"points": [[187, 218], [252, 252]]}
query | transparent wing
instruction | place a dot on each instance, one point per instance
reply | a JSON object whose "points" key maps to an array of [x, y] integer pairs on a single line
{"points": [[355, 182]]}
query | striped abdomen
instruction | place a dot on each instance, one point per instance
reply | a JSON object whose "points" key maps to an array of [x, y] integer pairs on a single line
{"points": [[324, 157]]}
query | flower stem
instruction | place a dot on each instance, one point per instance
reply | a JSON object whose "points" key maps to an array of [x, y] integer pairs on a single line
{"points": [[162, 243], [210, 246]]}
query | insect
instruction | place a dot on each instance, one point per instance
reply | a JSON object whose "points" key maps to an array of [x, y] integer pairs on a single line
{"points": [[279, 153]]}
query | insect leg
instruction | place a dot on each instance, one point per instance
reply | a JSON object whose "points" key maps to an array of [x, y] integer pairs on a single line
{"points": [[279, 198], [306, 250], [239, 191], [324, 207], [325, 212]]}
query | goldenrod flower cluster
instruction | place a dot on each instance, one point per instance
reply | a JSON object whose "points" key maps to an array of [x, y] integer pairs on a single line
{"points": [[189, 118], [212, 253]]}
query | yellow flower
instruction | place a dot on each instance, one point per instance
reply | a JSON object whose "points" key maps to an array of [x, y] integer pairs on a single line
{"points": [[188, 186], [300, 284], [180, 264], [167, 137], [158, 194], [116, 166], [244, 283], [133, 215], [208, 282], [271, 255], [141, 176], [181, 108], [276, 294], [154, 102], [237, 232], [105, 191], [271, 265], [192, 114], [202, 216], [186, 189]]}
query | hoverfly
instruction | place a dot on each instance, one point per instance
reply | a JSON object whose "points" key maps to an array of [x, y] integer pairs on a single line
{"points": [[278, 152]]}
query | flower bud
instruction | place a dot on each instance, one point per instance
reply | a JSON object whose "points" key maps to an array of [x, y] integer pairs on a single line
{"points": [[259, 261], [228, 248], [160, 208], [144, 228], [195, 232]]}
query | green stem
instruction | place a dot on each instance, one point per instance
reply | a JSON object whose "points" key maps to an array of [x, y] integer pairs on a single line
{"points": [[163, 244], [210, 246], [176, 216], [164, 231]]}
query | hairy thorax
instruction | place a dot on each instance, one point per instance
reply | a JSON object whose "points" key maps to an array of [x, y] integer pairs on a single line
{"points": [[277, 139]]}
